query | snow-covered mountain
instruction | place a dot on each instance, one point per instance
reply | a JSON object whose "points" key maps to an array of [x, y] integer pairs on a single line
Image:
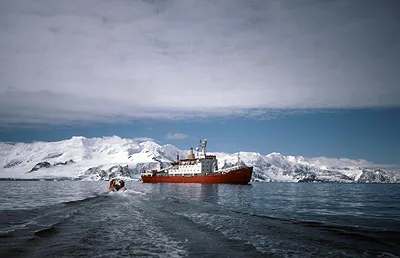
{"points": [[81, 158]]}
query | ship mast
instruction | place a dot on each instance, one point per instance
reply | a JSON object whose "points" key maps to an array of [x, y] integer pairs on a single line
{"points": [[238, 159], [203, 146]]}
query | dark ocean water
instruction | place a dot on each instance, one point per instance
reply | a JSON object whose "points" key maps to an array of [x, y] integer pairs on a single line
{"points": [[80, 219]]}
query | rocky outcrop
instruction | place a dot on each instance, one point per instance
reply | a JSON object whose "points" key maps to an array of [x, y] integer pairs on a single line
{"points": [[64, 163], [53, 155], [40, 165], [13, 163]]}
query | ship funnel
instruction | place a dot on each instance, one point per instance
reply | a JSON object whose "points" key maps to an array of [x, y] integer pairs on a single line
{"points": [[191, 154]]}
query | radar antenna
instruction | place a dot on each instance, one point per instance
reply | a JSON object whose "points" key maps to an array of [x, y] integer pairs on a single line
{"points": [[203, 146]]}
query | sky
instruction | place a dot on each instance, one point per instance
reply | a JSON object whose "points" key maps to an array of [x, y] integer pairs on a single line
{"points": [[311, 78]]}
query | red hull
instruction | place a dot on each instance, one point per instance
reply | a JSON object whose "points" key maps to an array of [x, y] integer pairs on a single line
{"points": [[239, 176]]}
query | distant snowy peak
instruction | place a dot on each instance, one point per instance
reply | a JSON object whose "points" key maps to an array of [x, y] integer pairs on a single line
{"points": [[82, 158], [280, 168], [341, 162]]}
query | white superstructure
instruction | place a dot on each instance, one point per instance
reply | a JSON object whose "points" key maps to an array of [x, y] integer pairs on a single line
{"points": [[204, 164]]}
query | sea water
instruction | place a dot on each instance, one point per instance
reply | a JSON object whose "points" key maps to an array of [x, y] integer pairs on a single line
{"points": [[72, 218]]}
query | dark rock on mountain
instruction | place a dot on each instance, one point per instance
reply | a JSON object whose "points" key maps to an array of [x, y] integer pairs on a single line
{"points": [[64, 163], [53, 155], [40, 165], [13, 163]]}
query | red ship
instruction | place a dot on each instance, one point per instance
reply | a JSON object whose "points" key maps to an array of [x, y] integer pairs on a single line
{"points": [[203, 169]]}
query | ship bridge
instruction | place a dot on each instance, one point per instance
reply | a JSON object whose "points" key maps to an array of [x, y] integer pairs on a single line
{"points": [[191, 165]]}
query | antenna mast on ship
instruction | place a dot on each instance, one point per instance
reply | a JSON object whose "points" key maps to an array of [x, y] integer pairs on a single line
{"points": [[203, 146], [238, 159]]}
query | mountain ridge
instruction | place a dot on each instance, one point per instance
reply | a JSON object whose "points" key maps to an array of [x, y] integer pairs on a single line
{"points": [[81, 158]]}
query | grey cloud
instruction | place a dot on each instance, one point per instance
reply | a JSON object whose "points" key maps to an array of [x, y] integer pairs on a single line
{"points": [[92, 60]]}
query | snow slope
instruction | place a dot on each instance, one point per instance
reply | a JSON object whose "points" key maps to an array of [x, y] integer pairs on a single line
{"points": [[81, 158], [72, 158]]}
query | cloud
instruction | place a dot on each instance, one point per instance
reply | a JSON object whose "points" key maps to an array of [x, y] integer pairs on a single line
{"points": [[85, 61], [176, 136]]}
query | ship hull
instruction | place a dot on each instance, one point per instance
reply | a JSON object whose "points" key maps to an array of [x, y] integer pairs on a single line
{"points": [[238, 176]]}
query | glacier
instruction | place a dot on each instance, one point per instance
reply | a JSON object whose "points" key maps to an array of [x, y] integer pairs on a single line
{"points": [[94, 159]]}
